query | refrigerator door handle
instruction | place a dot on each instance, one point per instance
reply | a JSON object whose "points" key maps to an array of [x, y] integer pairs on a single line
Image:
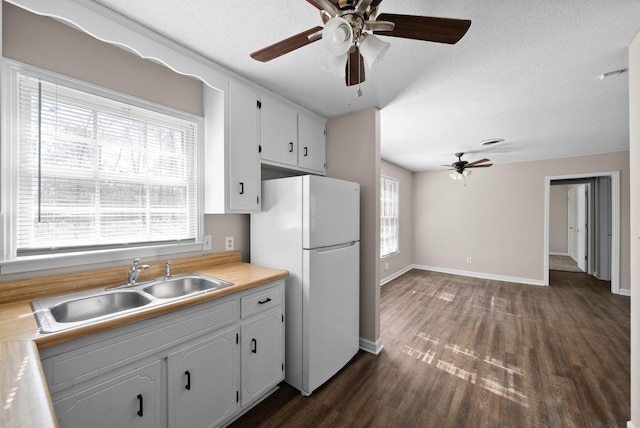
{"points": [[334, 247]]}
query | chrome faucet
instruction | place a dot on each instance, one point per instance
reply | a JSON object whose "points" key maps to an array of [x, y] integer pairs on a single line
{"points": [[134, 271], [167, 270]]}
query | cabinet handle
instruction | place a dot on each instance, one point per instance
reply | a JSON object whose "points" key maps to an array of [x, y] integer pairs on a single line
{"points": [[254, 346], [305, 151], [188, 385], [241, 188], [140, 412], [262, 302], [290, 146]]}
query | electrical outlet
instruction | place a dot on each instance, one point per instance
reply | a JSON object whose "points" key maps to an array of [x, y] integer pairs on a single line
{"points": [[206, 244], [468, 259], [228, 243], [386, 266]]}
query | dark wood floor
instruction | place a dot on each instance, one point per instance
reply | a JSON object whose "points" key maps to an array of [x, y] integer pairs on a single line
{"points": [[466, 352]]}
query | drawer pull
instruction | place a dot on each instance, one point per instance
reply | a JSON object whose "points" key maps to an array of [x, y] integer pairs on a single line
{"points": [[254, 346], [290, 147], [140, 412], [262, 302], [188, 385]]}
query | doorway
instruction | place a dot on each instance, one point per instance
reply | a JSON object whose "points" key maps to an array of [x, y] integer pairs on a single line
{"points": [[592, 225]]}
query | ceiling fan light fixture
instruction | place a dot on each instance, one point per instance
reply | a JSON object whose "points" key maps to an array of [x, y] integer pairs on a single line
{"points": [[372, 49], [335, 65], [337, 36]]}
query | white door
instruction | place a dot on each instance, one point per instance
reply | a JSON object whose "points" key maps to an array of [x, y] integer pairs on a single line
{"points": [[331, 212], [331, 321], [131, 400], [203, 381], [571, 222], [244, 164], [604, 215], [262, 354], [581, 227]]}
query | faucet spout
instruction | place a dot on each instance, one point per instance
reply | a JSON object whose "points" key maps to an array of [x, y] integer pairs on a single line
{"points": [[134, 271]]}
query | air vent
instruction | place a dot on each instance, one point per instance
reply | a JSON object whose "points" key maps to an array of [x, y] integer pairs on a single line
{"points": [[492, 141]]}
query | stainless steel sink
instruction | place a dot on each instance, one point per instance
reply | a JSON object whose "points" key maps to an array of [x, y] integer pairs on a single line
{"points": [[183, 286], [97, 306], [73, 310]]}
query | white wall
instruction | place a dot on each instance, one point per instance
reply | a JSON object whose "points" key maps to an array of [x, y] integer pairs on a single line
{"points": [[498, 218], [634, 158], [396, 264]]}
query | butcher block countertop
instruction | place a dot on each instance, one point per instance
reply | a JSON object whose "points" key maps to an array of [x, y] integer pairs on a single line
{"points": [[24, 397]]}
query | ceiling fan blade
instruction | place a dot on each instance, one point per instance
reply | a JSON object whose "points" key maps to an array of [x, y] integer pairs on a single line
{"points": [[362, 6], [327, 5], [379, 25], [478, 161], [355, 69], [285, 46], [479, 166], [431, 29]]}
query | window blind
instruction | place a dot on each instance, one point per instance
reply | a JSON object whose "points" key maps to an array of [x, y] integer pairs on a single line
{"points": [[388, 216], [98, 173]]}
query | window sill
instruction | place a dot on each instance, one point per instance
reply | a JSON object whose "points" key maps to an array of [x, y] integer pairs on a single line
{"points": [[390, 255], [39, 263]]}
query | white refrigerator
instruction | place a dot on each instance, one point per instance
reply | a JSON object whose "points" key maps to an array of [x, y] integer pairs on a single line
{"points": [[310, 226]]}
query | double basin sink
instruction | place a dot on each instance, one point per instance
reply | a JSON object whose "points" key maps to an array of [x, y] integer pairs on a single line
{"points": [[73, 310]]}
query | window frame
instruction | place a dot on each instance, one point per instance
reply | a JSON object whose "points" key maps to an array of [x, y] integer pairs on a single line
{"points": [[9, 262], [396, 183]]}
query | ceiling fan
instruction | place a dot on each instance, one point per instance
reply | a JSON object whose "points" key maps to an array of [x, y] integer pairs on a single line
{"points": [[348, 35], [460, 167]]}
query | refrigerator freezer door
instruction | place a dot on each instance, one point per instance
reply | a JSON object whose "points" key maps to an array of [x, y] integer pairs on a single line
{"points": [[331, 212], [331, 282]]}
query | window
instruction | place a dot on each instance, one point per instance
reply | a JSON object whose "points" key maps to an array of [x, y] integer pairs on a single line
{"points": [[388, 216], [96, 170]]}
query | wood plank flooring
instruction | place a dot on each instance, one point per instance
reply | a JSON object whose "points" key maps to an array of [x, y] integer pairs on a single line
{"points": [[467, 352]]}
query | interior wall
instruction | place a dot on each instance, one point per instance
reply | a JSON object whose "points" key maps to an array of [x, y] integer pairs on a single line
{"points": [[398, 263], [51, 45], [498, 218], [558, 220], [353, 153], [634, 158]]}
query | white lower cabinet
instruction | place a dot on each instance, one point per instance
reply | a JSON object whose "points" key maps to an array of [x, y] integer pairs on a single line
{"points": [[203, 382], [129, 400], [195, 367], [262, 354]]}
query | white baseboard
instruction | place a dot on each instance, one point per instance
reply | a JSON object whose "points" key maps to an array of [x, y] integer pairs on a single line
{"points": [[395, 275], [553, 253], [625, 292], [630, 424], [371, 347], [482, 275]]}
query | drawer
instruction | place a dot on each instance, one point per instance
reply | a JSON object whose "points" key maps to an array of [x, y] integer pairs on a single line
{"points": [[260, 301]]}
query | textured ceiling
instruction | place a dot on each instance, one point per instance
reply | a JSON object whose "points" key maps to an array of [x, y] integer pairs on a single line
{"points": [[525, 71]]}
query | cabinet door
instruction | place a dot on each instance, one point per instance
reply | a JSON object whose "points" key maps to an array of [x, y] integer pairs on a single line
{"points": [[278, 133], [130, 400], [203, 381], [244, 160], [262, 354], [312, 144]]}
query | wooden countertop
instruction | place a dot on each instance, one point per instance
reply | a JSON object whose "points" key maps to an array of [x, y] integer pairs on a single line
{"points": [[26, 401]]}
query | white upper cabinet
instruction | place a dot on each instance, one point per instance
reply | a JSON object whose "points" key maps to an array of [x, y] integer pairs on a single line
{"points": [[278, 133], [311, 144], [291, 139], [231, 159]]}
